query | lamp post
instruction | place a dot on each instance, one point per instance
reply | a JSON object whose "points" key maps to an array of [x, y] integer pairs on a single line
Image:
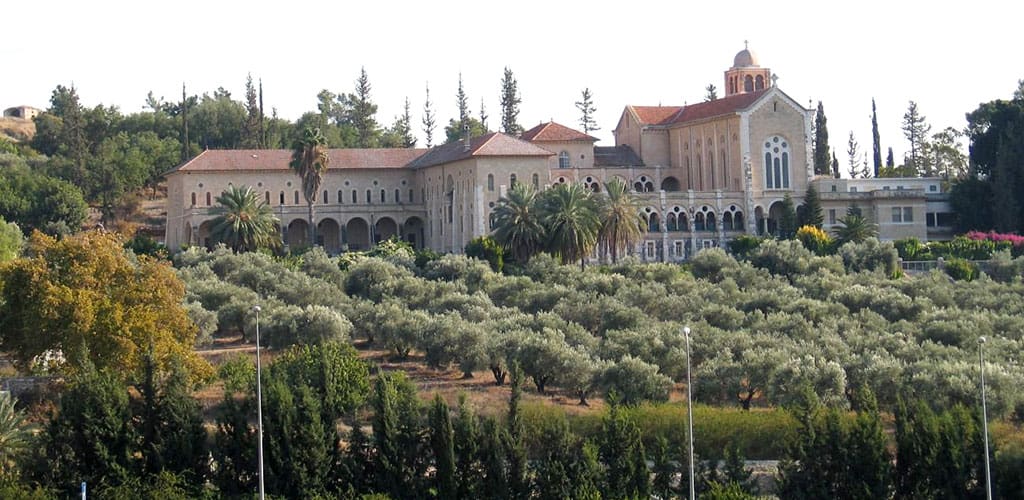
{"points": [[984, 416], [689, 408], [259, 402]]}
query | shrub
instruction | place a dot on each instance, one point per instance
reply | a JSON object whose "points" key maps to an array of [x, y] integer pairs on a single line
{"points": [[711, 264], [742, 245], [487, 249], [870, 255], [635, 381], [912, 249], [960, 269], [205, 320], [815, 240]]}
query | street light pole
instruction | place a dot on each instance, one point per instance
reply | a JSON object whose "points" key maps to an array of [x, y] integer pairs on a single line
{"points": [[689, 408], [259, 402], [984, 417]]}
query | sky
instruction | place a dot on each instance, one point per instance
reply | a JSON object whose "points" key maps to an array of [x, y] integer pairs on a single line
{"points": [[948, 57]]}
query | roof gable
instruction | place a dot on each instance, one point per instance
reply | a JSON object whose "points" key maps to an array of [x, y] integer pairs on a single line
{"points": [[492, 144], [555, 132], [717, 107], [653, 115]]}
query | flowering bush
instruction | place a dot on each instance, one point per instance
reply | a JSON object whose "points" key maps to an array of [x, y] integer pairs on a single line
{"points": [[1016, 241]]}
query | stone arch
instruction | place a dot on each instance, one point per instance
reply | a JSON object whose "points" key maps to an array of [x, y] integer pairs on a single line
{"points": [[357, 234], [759, 220], [774, 216], [413, 231], [385, 228], [186, 233], [670, 184], [298, 234], [328, 235]]}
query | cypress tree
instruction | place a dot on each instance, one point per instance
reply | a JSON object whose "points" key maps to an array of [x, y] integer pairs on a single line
{"points": [[553, 476], [734, 470], [622, 453], [821, 152], [397, 432], [441, 441], [876, 144], [510, 101], [589, 475], [462, 102], [889, 162], [835, 166], [494, 483], [917, 450], [870, 463], [173, 438], [515, 448], [234, 449], [664, 470], [358, 462], [467, 451]]}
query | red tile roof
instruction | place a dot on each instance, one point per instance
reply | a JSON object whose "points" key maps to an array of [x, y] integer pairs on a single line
{"points": [[278, 159], [492, 144], [555, 132], [672, 115]]}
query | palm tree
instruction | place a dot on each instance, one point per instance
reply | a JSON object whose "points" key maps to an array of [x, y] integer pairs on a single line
{"points": [[622, 224], [310, 161], [572, 218], [517, 222], [14, 435], [244, 222], [855, 228]]}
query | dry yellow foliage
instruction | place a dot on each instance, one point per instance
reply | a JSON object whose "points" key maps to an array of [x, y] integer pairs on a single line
{"points": [[88, 298]]}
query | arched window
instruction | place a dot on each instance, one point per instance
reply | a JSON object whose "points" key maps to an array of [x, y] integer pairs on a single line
{"points": [[382, 200], [369, 197], [725, 168], [652, 222], [266, 197], [281, 198], [737, 221], [727, 221], [193, 199], [490, 182], [411, 192], [710, 223], [684, 224], [669, 184], [776, 163], [671, 222], [700, 175], [296, 197], [748, 83], [398, 196], [325, 197], [563, 159], [340, 197], [536, 181], [759, 82], [354, 200], [698, 221], [711, 167], [208, 199]]}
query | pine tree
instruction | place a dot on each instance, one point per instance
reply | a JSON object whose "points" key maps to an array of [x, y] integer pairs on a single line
{"points": [[510, 100], [835, 166], [251, 133], [494, 483], [441, 441], [811, 215], [876, 144], [457, 130], [622, 453], [821, 152], [362, 113], [587, 110], [853, 153], [735, 471], [234, 449], [589, 475], [399, 135], [462, 102], [712, 92], [916, 130], [664, 469], [358, 461], [870, 464], [428, 120], [553, 472], [917, 450], [170, 425], [865, 169]]}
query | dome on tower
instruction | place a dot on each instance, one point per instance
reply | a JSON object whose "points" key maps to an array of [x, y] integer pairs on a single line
{"points": [[745, 59]]}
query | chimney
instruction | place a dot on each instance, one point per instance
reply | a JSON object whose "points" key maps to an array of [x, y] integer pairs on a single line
{"points": [[465, 138]]}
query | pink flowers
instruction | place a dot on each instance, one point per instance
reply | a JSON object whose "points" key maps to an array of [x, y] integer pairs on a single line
{"points": [[1014, 239]]}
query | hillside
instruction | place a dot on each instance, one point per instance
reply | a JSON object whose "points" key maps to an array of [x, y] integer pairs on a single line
{"points": [[17, 129]]}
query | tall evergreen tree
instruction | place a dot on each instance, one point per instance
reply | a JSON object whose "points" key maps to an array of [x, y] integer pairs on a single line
{"points": [[876, 143], [587, 110], [462, 102], [734, 469], [362, 113], [483, 114], [510, 100], [251, 133], [821, 152], [835, 166], [917, 450], [664, 470], [622, 452], [442, 443], [457, 130], [467, 436], [428, 120], [186, 103], [358, 462], [518, 480], [853, 155], [916, 130], [870, 463], [787, 221], [234, 449], [553, 471], [811, 215], [171, 425], [494, 483], [399, 135], [263, 118], [889, 161], [397, 433]]}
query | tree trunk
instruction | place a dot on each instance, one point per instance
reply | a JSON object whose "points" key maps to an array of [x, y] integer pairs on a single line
{"points": [[312, 227], [540, 382], [745, 401], [499, 374]]}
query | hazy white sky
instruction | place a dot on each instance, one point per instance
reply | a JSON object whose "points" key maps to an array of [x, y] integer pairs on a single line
{"points": [[947, 56]]}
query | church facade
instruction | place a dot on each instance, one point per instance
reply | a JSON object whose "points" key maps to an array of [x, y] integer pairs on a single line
{"points": [[705, 173]]}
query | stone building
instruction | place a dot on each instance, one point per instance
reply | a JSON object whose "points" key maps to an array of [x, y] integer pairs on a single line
{"points": [[705, 173]]}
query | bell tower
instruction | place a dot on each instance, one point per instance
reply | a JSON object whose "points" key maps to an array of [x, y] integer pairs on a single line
{"points": [[746, 75]]}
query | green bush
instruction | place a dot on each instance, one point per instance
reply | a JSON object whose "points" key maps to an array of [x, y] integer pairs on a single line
{"points": [[961, 269], [742, 245], [487, 249]]}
